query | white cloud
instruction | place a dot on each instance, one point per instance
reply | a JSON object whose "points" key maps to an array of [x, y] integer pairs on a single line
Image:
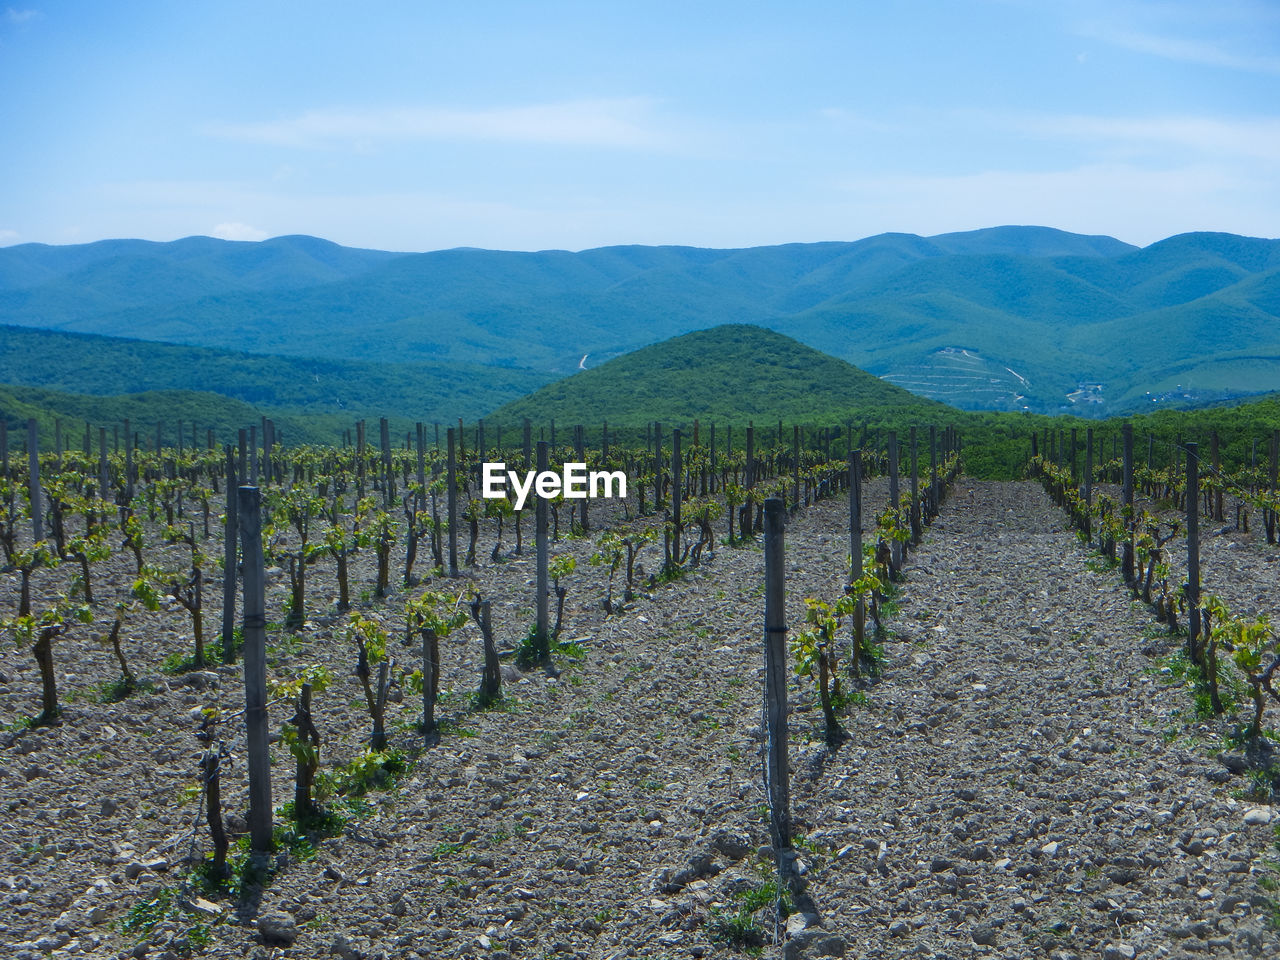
{"points": [[20, 16], [8, 236], [1247, 138], [1188, 51], [237, 231], [624, 122], [1257, 138]]}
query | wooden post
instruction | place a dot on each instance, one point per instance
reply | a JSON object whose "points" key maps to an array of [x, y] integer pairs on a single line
{"points": [[933, 471], [580, 442], [795, 466], [33, 481], [1075, 472], [248, 509], [421, 441], [253, 455], [104, 475], [1126, 500], [229, 564], [388, 476], [359, 460], [677, 477], [242, 463], [451, 479], [129, 478], [1193, 551], [855, 558], [917, 532], [264, 459], [1088, 485], [1273, 477], [895, 547], [776, 770], [711, 456], [1217, 495], [657, 468], [542, 639]]}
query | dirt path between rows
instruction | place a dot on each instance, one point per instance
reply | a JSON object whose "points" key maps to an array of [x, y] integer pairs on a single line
{"points": [[1020, 766]]}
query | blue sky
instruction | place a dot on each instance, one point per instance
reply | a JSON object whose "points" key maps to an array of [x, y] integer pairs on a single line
{"points": [[521, 125]]}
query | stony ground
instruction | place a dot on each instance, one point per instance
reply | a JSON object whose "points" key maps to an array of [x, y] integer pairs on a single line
{"points": [[1023, 781]]}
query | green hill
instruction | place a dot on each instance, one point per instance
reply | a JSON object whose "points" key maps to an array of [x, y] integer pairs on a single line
{"points": [[103, 366], [1039, 318], [729, 374], [144, 411]]}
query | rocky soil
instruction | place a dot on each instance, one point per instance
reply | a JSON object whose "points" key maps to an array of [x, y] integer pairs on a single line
{"points": [[1022, 781]]}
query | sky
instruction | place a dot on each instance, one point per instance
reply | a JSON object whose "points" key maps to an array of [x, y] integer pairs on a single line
{"points": [[425, 125]]}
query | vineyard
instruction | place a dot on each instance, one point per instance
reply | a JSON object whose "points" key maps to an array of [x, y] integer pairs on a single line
{"points": [[1013, 731]]}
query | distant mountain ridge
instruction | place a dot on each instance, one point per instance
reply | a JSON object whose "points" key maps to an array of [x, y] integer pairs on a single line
{"points": [[1012, 317]]}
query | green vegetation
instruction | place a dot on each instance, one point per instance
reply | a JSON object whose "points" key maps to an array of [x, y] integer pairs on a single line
{"points": [[1006, 318], [728, 374]]}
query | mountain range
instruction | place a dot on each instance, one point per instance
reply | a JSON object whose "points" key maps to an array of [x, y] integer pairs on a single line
{"points": [[1003, 318]]}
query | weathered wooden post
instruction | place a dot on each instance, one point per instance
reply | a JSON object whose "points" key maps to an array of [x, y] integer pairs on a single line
{"points": [[104, 475], [855, 560], [1217, 464], [420, 439], [933, 471], [1088, 485], [388, 475], [579, 444], [360, 443], [657, 466], [1273, 477], [254, 465], [248, 509], [542, 630], [129, 477], [1126, 501], [677, 479], [795, 466], [242, 463], [917, 531], [33, 480], [711, 457], [776, 769], [229, 577], [1193, 553], [451, 480], [895, 546], [747, 522]]}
